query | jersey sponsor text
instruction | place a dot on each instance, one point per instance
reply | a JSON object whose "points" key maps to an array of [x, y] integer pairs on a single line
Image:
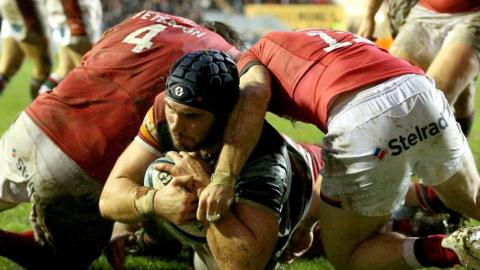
{"points": [[397, 145]]}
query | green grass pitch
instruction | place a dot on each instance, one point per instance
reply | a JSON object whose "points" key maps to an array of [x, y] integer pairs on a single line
{"points": [[16, 97]]}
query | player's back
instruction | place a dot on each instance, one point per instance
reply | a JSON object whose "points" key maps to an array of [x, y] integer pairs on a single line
{"points": [[97, 109], [311, 67]]}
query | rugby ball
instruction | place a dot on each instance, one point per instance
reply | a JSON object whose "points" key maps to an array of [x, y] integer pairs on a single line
{"points": [[194, 231]]}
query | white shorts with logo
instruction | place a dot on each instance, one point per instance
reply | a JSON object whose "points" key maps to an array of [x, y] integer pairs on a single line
{"points": [[28, 155], [64, 199], [57, 20], [13, 22], [425, 32], [378, 139]]}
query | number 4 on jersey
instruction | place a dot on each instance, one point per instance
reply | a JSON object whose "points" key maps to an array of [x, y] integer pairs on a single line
{"points": [[143, 42]]}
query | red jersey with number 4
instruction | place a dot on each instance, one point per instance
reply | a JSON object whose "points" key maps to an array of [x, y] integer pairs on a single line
{"points": [[97, 109], [451, 6], [310, 67]]}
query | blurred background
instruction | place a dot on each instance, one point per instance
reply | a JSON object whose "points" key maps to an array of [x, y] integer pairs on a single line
{"points": [[253, 18]]}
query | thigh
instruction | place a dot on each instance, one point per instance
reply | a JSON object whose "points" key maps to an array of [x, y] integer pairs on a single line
{"points": [[11, 57], [397, 12], [461, 190], [458, 61], [340, 238], [419, 39], [39, 53], [464, 106]]}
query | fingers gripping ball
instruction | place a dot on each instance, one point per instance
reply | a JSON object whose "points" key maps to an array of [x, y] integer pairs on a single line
{"points": [[194, 231]]}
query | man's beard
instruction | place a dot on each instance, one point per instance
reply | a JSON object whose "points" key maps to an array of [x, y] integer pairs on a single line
{"points": [[214, 136]]}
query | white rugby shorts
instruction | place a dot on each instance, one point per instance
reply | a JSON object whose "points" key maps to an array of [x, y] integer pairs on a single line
{"points": [[13, 22], [383, 135], [425, 32], [29, 158]]}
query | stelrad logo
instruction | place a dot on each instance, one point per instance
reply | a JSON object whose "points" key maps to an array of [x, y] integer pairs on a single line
{"points": [[405, 142]]}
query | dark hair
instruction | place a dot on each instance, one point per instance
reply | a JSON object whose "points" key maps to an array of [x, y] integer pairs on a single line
{"points": [[227, 32], [206, 80]]}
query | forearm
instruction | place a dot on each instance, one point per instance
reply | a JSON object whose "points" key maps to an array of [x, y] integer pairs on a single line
{"points": [[246, 121], [117, 203], [234, 246], [372, 8], [124, 186]]}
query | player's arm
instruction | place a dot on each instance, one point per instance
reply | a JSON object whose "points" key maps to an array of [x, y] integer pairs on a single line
{"points": [[125, 199], [246, 122], [125, 184], [241, 135], [244, 238], [367, 25]]}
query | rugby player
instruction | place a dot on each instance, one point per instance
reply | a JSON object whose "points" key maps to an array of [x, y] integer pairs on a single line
{"points": [[423, 214], [442, 38], [59, 151], [24, 34], [189, 120], [397, 12], [384, 120], [75, 25]]}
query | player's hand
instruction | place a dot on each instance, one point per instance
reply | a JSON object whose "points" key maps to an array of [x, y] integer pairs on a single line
{"points": [[188, 163], [300, 242], [367, 28], [176, 202], [214, 200]]}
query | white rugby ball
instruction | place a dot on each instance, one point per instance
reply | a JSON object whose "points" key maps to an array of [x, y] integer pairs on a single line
{"points": [[194, 231]]}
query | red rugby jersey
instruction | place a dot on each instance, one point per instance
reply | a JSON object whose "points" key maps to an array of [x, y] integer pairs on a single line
{"points": [[96, 111], [310, 67], [451, 6]]}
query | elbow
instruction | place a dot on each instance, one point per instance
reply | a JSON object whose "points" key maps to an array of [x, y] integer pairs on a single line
{"points": [[258, 93], [103, 206]]}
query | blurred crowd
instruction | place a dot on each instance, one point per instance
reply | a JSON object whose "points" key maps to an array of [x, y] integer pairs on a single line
{"points": [[116, 10]]}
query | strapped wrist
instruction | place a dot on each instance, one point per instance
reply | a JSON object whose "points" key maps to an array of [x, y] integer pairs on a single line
{"points": [[223, 178], [144, 201]]}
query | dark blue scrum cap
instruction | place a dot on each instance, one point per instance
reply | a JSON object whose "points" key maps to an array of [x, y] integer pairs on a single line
{"points": [[207, 80]]}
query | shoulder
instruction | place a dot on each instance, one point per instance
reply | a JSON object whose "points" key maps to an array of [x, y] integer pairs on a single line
{"points": [[271, 144], [266, 177], [154, 129]]}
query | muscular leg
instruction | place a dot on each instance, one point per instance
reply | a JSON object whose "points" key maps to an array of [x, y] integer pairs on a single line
{"points": [[12, 57], [464, 108], [70, 56], [76, 52], [65, 63], [38, 51], [67, 60], [461, 191], [453, 68], [10, 60], [345, 243]]}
